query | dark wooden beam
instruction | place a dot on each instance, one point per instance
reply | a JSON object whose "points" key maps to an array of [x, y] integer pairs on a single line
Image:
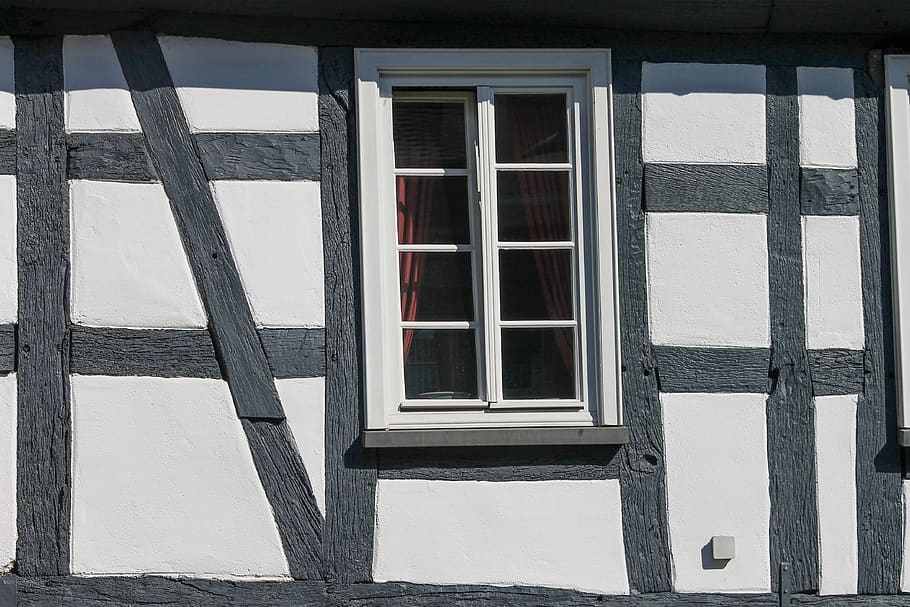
{"points": [[43, 231]]}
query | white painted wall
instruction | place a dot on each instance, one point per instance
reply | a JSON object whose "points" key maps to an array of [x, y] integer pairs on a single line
{"points": [[243, 86], [717, 484], [827, 119], [703, 113], [304, 405], [541, 533], [7, 84], [129, 266], [833, 282], [8, 426], [275, 232], [163, 482], [97, 97], [9, 278], [835, 462], [708, 279]]}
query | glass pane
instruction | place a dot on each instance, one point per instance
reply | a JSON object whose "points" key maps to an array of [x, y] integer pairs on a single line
{"points": [[440, 363], [538, 363], [436, 286], [433, 210], [533, 206], [531, 128], [428, 134], [536, 285]]}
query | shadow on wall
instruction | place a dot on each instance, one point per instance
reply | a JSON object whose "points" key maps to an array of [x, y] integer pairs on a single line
{"points": [[707, 558]]}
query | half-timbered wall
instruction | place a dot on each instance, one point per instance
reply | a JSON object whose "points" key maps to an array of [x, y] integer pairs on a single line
{"points": [[179, 308]]}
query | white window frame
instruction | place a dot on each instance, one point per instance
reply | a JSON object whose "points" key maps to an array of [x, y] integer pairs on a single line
{"points": [[585, 74], [897, 103]]}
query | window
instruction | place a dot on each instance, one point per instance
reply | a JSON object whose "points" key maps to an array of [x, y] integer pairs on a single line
{"points": [[487, 239], [897, 72]]}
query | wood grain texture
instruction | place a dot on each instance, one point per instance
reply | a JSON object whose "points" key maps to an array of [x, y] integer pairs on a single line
{"points": [[878, 457], [252, 156], [791, 429], [243, 361], [145, 352], [240, 353], [152, 591], [287, 486], [642, 472], [682, 369], [350, 470], [836, 371], [109, 157], [7, 348], [706, 188], [7, 152], [500, 464], [829, 191], [43, 230], [294, 352]]}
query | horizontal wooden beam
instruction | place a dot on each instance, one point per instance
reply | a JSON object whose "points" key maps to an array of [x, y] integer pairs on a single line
{"points": [[291, 353], [225, 156], [689, 369], [702, 188], [152, 590]]}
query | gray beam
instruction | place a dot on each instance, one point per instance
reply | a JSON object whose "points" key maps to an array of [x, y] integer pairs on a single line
{"points": [[837, 371], [829, 191], [878, 457], [350, 471], [43, 231], [706, 188], [791, 435], [682, 369], [642, 473]]}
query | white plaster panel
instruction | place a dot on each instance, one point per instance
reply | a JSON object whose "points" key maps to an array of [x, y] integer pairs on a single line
{"points": [[275, 232], [7, 84], [703, 113], [9, 272], [535, 533], [835, 464], [717, 484], [304, 405], [129, 266], [97, 96], [833, 282], [827, 121], [8, 532], [708, 279], [242, 86], [163, 482]]}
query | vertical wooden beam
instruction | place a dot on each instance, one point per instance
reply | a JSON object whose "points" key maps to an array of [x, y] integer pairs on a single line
{"points": [[791, 429], [878, 457], [642, 466], [240, 353], [350, 470], [43, 230]]}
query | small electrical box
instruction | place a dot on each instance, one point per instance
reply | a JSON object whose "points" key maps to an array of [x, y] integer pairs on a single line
{"points": [[723, 547]]}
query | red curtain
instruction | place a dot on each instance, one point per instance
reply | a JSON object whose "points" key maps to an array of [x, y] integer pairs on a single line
{"points": [[544, 220], [415, 196]]}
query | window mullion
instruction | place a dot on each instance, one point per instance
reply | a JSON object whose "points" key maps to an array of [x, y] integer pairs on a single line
{"points": [[487, 186]]}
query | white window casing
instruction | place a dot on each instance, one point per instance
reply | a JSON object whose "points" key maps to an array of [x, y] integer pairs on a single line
{"points": [[474, 77]]}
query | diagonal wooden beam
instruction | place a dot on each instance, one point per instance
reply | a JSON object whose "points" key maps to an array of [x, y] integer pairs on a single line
{"points": [[173, 153], [240, 353]]}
